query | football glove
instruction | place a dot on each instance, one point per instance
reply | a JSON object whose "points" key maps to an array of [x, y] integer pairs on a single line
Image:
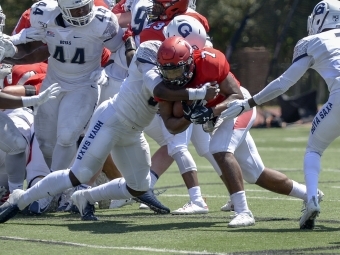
{"points": [[189, 109], [7, 49], [28, 35], [235, 108], [5, 69], [201, 114], [35, 101], [100, 77]]}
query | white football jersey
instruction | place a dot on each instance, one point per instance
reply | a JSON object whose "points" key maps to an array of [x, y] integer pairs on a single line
{"points": [[139, 21], [135, 100], [324, 50], [23, 113], [75, 52]]}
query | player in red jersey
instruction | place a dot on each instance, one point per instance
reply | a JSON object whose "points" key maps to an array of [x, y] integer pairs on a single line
{"points": [[162, 12], [231, 143]]}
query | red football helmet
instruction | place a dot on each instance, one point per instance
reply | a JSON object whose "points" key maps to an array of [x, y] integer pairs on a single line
{"points": [[175, 61], [167, 9]]}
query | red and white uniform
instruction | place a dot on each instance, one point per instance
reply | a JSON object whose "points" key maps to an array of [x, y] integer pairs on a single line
{"points": [[154, 31], [232, 135], [20, 73]]}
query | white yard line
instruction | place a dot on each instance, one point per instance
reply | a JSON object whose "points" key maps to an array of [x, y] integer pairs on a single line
{"points": [[14, 238]]}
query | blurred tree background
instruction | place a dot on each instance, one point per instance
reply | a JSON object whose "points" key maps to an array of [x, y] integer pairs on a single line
{"points": [[257, 36]]}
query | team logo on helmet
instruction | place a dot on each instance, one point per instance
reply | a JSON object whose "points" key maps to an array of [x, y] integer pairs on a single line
{"points": [[184, 29]]}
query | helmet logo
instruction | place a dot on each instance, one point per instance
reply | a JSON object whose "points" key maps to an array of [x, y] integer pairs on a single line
{"points": [[335, 18], [319, 9], [184, 29]]}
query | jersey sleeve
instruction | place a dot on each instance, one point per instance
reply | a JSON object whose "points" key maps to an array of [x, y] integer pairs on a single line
{"points": [[100, 3], [147, 52], [153, 32], [24, 22], [105, 56], [300, 50], [119, 7], [213, 61], [110, 31]]}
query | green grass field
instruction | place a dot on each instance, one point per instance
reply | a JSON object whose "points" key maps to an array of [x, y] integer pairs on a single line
{"points": [[128, 230]]}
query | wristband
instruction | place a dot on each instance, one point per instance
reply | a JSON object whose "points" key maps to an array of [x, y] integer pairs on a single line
{"points": [[130, 44], [197, 94], [30, 90]]}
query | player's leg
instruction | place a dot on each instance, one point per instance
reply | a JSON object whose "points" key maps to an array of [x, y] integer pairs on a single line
{"points": [[45, 123], [132, 155], [75, 111], [223, 144], [90, 156], [16, 145], [178, 150], [325, 129]]}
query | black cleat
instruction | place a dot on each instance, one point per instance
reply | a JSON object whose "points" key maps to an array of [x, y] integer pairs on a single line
{"points": [[150, 200]]}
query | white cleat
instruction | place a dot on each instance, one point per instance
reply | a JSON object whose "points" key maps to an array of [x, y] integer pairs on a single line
{"points": [[85, 208], [120, 203], [191, 208], [310, 212], [143, 206], [228, 207], [244, 219]]}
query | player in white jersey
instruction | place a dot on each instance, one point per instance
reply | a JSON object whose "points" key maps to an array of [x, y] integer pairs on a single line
{"points": [[116, 72], [75, 34], [319, 51], [117, 125]]}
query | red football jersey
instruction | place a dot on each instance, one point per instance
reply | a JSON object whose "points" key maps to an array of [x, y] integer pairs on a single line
{"points": [[154, 31], [210, 65], [24, 22], [36, 81], [119, 7], [20, 73]]}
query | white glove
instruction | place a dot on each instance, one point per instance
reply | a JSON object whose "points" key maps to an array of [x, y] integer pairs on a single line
{"points": [[100, 77], [235, 108], [7, 49], [35, 101], [5, 69], [200, 93], [28, 35]]}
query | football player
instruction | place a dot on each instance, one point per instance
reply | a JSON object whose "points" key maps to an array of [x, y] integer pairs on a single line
{"points": [[75, 34], [172, 148], [237, 155], [318, 51], [118, 126]]}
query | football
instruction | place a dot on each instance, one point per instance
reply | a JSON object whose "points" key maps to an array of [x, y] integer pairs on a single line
{"points": [[177, 109]]}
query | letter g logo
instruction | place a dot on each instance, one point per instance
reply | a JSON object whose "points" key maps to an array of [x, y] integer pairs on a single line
{"points": [[184, 29]]}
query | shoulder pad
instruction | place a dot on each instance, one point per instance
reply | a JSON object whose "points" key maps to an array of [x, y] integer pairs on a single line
{"points": [[41, 13], [147, 52], [300, 49], [104, 23]]}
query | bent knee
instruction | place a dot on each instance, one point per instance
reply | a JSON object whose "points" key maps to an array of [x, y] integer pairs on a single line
{"points": [[20, 144], [67, 139]]}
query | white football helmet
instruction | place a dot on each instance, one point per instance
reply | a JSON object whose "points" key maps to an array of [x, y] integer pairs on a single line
{"points": [[77, 12], [189, 28], [2, 21], [325, 15]]}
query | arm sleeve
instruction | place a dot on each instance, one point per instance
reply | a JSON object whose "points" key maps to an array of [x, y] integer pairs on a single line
{"points": [[281, 84]]}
